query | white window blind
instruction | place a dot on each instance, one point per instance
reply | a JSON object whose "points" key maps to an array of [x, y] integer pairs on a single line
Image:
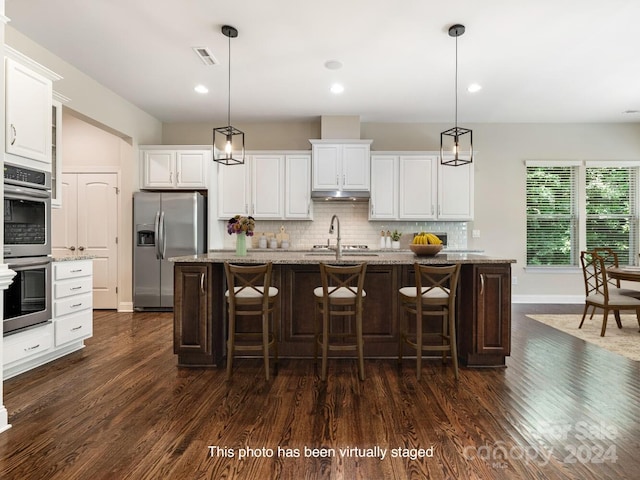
{"points": [[552, 220], [611, 210]]}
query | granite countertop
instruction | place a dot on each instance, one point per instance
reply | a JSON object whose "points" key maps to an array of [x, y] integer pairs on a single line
{"points": [[296, 257], [73, 258]]}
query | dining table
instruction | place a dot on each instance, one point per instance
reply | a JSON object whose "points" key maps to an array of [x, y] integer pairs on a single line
{"points": [[630, 273]]}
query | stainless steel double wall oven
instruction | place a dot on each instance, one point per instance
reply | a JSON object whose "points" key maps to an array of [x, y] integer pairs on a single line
{"points": [[27, 247]]}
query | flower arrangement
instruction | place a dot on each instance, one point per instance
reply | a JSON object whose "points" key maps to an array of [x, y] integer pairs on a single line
{"points": [[240, 224]]}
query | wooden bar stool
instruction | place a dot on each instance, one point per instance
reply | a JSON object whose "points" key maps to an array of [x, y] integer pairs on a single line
{"points": [[340, 295], [250, 293], [433, 296]]}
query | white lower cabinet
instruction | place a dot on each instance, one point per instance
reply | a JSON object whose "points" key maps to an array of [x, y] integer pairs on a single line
{"points": [[71, 324]]}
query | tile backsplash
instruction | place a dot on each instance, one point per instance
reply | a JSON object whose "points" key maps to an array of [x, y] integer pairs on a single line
{"points": [[355, 227]]}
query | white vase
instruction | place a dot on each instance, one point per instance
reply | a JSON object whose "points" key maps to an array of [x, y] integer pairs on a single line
{"points": [[395, 244]]}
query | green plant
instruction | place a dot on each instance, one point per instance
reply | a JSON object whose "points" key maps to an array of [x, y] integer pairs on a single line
{"points": [[395, 236]]}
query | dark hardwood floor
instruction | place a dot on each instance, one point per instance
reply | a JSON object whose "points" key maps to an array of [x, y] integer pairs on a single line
{"points": [[121, 409]]}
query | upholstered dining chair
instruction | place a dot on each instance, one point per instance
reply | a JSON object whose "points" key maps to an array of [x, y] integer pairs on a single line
{"points": [[250, 294], [341, 295], [600, 293], [433, 296]]}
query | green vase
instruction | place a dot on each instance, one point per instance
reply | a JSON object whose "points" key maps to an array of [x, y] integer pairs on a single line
{"points": [[241, 244]]}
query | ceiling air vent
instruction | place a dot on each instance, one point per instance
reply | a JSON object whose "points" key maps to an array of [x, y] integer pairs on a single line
{"points": [[205, 55]]}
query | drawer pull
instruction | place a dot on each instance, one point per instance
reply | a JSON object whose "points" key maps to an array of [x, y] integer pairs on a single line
{"points": [[76, 328], [78, 270], [32, 348], [76, 305], [76, 288]]}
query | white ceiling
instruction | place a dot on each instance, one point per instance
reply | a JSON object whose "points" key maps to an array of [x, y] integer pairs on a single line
{"points": [[537, 60]]}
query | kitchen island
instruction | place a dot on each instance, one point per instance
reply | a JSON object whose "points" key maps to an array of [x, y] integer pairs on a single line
{"points": [[483, 302]]}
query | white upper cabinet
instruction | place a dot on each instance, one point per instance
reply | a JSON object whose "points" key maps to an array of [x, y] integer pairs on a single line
{"points": [[341, 165], [175, 168], [414, 186], [418, 183], [28, 103], [297, 194], [455, 192], [383, 204], [268, 186]]}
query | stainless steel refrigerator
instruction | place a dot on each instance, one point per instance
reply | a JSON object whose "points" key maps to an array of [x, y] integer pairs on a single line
{"points": [[165, 225]]}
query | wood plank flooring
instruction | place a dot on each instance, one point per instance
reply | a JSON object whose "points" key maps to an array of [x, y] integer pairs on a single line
{"points": [[121, 409]]}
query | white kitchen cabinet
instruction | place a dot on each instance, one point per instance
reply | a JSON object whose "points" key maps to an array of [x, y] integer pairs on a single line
{"points": [[417, 187], [56, 154], [28, 103], [297, 194], [268, 186], [455, 192], [383, 204], [72, 321], [341, 165], [414, 186], [172, 169], [72, 301]]}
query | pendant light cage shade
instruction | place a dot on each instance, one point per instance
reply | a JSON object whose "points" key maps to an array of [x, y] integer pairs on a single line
{"points": [[456, 147], [228, 145], [454, 150], [228, 142]]}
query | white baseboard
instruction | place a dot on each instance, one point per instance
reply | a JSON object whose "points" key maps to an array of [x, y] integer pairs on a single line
{"points": [[125, 307], [577, 299], [4, 419]]}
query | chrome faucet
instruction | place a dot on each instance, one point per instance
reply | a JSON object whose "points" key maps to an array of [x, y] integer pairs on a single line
{"points": [[338, 246]]}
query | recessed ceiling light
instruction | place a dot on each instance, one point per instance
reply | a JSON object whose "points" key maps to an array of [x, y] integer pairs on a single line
{"points": [[337, 88], [201, 89], [333, 64], [474, 87]]}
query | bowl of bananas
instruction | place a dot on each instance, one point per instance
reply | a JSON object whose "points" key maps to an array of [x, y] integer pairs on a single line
{"points": [[425, 244]]}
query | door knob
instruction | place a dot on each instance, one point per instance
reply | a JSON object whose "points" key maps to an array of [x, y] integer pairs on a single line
{"points": [[81, 248], [72, 248]]}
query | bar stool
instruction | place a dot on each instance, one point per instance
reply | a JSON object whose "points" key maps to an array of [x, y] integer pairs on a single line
{"points": [[340, 295], [247, 296], [437, 286]]}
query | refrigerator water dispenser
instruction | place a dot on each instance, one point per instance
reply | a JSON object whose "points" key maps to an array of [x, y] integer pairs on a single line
{"points": [[145, 236]]}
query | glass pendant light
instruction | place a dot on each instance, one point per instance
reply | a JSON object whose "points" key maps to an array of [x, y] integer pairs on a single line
{"points": [[229, 138], [454, 150]]}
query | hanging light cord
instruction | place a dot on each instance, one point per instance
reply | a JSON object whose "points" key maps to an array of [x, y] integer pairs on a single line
{"points": [[229, 81], [456, 103]]}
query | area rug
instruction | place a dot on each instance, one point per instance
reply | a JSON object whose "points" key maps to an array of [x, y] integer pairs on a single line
{"points": [[624, 341]]}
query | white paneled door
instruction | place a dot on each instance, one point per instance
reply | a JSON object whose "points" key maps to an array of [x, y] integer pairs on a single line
{"points": [[87, 224]]}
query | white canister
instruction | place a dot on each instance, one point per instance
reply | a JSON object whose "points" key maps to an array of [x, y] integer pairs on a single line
{"points": [[273, 243], [284, 244], [262, 241]]}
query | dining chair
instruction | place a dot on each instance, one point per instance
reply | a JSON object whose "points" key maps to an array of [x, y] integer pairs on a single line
{"points": [[600, 294], [341, 295], [250, 294], [433, 296]]}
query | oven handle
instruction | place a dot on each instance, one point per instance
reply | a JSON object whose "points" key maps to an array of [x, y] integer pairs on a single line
{"points": [[28, 262], [22, 193]]}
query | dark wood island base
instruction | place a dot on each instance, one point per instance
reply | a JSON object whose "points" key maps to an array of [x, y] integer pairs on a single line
{"points": [[483, 304]]}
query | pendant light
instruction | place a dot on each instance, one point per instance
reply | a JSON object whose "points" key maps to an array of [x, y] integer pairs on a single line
{"points": [[456, 154], [229, 138]]}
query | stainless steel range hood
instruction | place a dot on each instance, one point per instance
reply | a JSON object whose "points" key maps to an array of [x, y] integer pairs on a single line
{"points": [[339, 196]]}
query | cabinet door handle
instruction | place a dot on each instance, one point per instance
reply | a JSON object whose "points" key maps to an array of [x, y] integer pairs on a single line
{"points": [[76, 328], [76, 288], [72, 248], [344, 179], [482, 284], [77, 270], [178, 177], [14, 134], [170, 177], [432, 211], [76, 305], [81, 248], [246, 208], [337, 179], [372, 209], [202, 283], [32, 348]]}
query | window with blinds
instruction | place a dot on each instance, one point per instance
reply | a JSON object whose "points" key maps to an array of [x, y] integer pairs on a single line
{"points": [[552, 220], [611, 211]]}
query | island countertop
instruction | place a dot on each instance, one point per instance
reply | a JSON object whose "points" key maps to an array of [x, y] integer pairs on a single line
{"points": [[373, 257]]}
